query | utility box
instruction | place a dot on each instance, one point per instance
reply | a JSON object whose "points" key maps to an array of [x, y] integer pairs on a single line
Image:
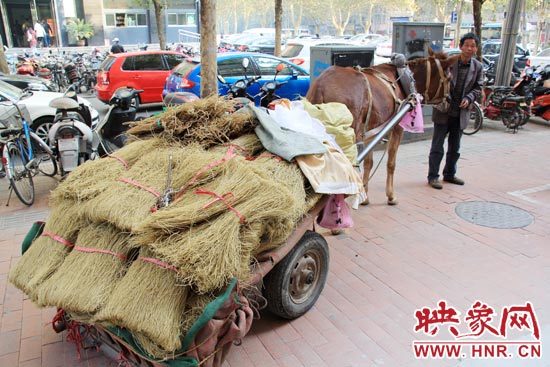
{"points": [[412, 39], [321, 57]]}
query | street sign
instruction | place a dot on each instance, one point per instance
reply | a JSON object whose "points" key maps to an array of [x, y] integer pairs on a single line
{"points": [[454, 17]]}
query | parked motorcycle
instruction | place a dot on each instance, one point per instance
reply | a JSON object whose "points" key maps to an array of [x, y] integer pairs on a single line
{"points": [[109, 134], [238, 91], [267, 92], [74, 140], [538, 91]]}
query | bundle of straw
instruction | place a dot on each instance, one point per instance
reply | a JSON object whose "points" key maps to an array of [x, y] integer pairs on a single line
{"points": [[148, 301], [210, 254], [206, 121], [94, 176], [49, 250], [140, 188], [89, 272], [237, 184]]}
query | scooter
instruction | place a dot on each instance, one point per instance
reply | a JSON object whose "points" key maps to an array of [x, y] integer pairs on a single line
{"points": [[75, 141], [238, 91], [267, 91], [538, 93], [109, 134]]}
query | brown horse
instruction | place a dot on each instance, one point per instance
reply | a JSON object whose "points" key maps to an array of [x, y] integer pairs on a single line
{"points": [[373, 96]]}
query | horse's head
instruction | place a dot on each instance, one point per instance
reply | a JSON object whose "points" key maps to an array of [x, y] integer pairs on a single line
{"points": [[432, 75]]}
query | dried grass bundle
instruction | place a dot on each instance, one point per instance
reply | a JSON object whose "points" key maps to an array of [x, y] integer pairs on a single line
{"points": [[210, 254], [127, 204], [49, 250], [237, 184], [207, 121], [90, 272], [248, 145], [94, 176], [148, 301]]}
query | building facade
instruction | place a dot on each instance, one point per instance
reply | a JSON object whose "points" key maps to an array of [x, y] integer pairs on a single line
{"points": [[132, 21]]}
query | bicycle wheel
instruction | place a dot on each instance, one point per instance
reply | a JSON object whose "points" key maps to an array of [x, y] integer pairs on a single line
{"points": [[46, 162], [476, 120], [20, 177]]}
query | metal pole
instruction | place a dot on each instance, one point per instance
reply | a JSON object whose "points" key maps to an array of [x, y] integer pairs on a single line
{"points": [[398, 116], [509, 40]]}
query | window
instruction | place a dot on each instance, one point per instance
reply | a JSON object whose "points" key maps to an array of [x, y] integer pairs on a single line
{"points": [[173, 60], [268, 66], [231, 67], [149, 62], [177, 19], [126, 20]]}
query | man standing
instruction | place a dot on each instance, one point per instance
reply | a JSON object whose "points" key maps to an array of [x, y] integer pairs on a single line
{"points": [[40, 33], [465, 89], [116, 48], [47, 32]]}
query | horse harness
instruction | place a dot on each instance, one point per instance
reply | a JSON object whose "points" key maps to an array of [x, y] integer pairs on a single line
{"points": [[442, 83]]}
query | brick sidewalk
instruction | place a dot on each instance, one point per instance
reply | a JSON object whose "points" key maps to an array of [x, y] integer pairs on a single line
{"points": [[395, 260]]}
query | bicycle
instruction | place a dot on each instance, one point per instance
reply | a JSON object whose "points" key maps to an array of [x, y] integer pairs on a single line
{"points": [[476, 120], [24, 155]]}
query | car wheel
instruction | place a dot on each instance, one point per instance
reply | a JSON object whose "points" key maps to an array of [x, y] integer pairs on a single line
{"points": [[42, 127], [135, 103]]}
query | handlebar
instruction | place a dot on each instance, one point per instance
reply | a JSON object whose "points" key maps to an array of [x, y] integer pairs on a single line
{"points": [[8, 132]]}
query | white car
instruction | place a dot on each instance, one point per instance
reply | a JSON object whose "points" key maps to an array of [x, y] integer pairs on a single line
{"points": [[368, 39], [541, 59], [382, 53], [38, 106], [298, 51]]}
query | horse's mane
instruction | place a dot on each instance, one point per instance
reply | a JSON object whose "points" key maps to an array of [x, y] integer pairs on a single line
{"points": [[441, 55]]}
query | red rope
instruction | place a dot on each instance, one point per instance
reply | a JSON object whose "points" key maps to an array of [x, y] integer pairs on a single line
{"points": [[100, 251], [118, 159], [221, 198], [229, 155], [137, 184], [159, 263], [58, 238]]}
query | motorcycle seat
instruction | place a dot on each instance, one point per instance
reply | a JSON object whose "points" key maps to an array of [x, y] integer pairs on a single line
{"points": [[515, 98]]}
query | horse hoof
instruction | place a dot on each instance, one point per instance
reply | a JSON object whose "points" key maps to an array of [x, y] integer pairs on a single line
{"points": [[366, 202], [336, 232], [392, 201]]}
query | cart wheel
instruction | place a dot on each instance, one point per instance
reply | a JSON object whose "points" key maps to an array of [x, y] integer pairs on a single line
{"points": [[295, 283]]}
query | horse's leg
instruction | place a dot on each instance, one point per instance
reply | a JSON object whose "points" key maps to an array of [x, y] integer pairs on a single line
{"points": [[367, 167], [393, 144]]}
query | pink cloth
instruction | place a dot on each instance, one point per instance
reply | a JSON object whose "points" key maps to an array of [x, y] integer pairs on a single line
{"points": [[413, 121]]}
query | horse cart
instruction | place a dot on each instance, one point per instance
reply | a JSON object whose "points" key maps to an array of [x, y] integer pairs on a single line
{"points": [[287, 279]]}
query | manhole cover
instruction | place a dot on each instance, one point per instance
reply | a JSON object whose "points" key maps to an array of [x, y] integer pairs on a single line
{"points": [[494, 215]]}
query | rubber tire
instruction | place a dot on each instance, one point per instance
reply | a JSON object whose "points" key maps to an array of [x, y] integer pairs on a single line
{"points": [[310, 254], [14, 155], [135, 103], [526, 116], [514, 122], [476, 120], [48, 163], [41, 127]]}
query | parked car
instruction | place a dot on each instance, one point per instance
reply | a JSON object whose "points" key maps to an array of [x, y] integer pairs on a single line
{"points": [[186, 76], [491, 50], [542, 58], [146, 70], [264, 45], [38, 104], [298, 52], [382, 53], [238, 42], [30, 82], [368, 39]]}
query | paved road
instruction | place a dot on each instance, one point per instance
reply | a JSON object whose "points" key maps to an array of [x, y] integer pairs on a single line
{"points": [[395, 261]]}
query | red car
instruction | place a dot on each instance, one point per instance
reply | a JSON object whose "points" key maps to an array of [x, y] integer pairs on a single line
{"points": [[145, 70]]}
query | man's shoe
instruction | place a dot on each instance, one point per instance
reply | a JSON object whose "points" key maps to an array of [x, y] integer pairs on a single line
{"points": [[435, 184], [454, 180]]}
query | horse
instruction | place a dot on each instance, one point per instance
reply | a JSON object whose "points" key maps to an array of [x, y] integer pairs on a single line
{"points": [[373, 95]]}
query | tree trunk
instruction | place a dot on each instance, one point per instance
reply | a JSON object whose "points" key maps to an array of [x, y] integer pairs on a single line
{"points": [[477, 23], [158, 4], [209, 67], [278, 26]]}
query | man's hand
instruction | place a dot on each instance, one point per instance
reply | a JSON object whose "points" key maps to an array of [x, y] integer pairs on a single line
{"points": [[465, 103]]}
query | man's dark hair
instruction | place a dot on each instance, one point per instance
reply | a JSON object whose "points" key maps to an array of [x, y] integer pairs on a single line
{"points": [[469, 36]]}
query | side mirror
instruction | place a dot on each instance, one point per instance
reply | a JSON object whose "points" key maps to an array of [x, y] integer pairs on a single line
{"points": [[222, 79], [281, 67], [246, 62]]}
